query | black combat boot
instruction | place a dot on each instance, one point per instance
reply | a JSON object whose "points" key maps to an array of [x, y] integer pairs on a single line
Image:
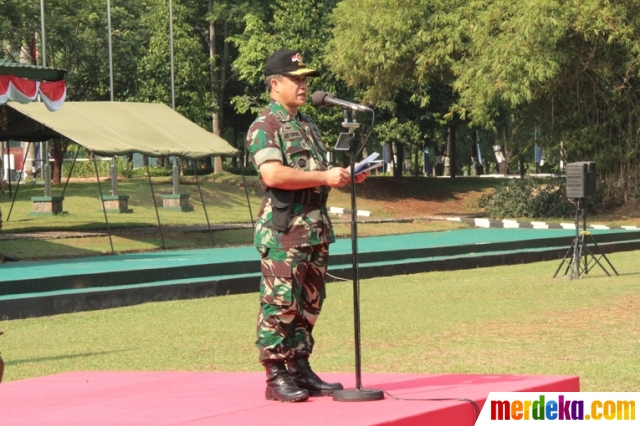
{"points": [[280, 387], [302, 375]]}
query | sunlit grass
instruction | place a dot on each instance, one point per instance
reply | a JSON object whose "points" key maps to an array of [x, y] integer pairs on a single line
{"points": [[501, 320], [224, 199]]}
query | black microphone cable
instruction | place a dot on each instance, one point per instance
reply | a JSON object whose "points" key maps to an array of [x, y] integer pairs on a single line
{"points": [[365, 137], [472, 402]]}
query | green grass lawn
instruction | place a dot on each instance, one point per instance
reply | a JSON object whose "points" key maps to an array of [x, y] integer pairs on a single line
{"points": [[225, 201], [224, 198], [501, 320]]}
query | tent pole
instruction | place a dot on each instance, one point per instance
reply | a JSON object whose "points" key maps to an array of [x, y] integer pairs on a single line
{"points": [[15, 194], [104, 209], [71, 172], [8, 151], [156, 206], [204, 206], [46, 171], [5, 151], [246, 189]]}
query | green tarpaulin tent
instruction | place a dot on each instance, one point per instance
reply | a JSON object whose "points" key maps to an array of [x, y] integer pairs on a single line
{"points": [[115, 128]]}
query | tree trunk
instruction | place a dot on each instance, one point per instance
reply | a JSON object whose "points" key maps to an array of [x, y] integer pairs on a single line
{"points": [[450, 165], [365, 152], [438, 160], [406, 162], [217, 84], [388, 149], [508, 150], [475, 160], [59, 149], [521, 168], [398, 160]]}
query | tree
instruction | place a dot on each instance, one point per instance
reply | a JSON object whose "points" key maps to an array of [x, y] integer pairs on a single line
{"points": [[565, 70], [569, 70], [397, 135], [77, 41], [300, 25], [16, 38], [190, 63], [399, 54], [223, 17]]}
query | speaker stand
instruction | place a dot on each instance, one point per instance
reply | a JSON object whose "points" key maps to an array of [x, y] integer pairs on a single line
{"points": [[582, 258]]}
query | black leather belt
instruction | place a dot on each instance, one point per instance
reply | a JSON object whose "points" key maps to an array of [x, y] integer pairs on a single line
{"points": [[309, 198]]}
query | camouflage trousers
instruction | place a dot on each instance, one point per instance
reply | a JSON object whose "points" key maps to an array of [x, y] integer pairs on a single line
{"points": [[292, 291]]}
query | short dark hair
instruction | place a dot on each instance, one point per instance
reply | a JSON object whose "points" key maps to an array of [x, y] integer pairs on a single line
{"points": [[267, 80]]}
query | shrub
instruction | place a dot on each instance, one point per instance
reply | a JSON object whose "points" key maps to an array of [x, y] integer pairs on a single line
{"points": [[248, 171], [153, 171], [87, 169], [544, 198]]}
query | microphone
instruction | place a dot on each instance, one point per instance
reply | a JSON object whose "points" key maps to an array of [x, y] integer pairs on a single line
{"points": [[329, 99]]}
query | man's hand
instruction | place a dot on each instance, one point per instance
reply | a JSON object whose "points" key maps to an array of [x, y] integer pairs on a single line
{"points": [[360, 177], [337, 177]]}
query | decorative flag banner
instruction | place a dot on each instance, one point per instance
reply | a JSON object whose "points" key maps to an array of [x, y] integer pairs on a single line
{"points": [[22, 90], [508, 408]]}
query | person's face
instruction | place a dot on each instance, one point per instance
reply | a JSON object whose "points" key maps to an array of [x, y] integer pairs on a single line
{"points": [[291, 92]]}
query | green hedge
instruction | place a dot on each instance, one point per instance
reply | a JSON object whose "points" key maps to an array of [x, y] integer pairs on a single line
{"points": [[543, 198], [86, 169]]}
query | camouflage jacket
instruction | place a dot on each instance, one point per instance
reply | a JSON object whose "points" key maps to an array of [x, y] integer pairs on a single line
{"points": [[295, 142]]}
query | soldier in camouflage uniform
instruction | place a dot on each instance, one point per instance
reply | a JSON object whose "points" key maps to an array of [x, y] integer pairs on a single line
{"points": [[293, 230]]}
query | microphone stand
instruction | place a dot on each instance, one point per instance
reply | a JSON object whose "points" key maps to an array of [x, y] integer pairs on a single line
{"points": [[358, 394]]}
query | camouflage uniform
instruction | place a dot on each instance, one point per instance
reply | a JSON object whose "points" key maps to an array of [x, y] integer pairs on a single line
{"points": [[294, 262]]}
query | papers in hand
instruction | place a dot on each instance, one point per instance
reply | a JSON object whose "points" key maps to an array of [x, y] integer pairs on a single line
{"points": [[367, 164]]}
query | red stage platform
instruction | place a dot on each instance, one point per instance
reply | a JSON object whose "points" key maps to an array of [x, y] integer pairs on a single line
{"points": [[188, 398]]}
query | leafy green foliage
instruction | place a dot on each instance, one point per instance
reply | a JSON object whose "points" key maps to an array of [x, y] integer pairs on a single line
{"points": [[237, 170], [87, 169], [535, 198], [543, 198], [191, 67], [301, 25], [567, 72], [375, 47]]}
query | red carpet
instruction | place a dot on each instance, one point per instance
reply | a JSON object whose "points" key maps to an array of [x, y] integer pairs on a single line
{"points": [[187, 398]]}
